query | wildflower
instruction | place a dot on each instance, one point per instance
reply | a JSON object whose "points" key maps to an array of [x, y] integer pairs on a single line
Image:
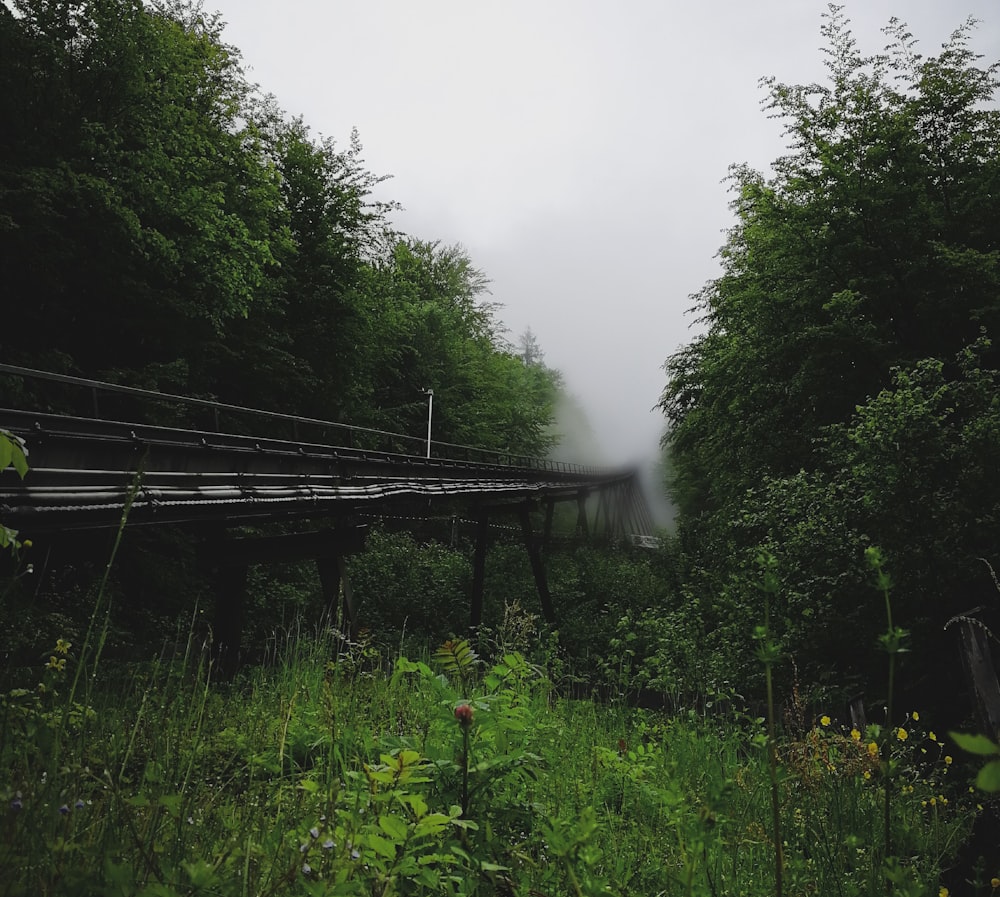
{"points": [[463, 713], [873, 750], [27, 543], [306, 869], [62, 646], [948, 760], [328, 844], [824, 720], [855, 735], [901, 734], [995, 883], [314, 832], [64, 809], [915, 716], [355, 854], [943, 892], [16, 804], [933, 801], [56, 663], [867, 774], [932, 736], [79, 805]]}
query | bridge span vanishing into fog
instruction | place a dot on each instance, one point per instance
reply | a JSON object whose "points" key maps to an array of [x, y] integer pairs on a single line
{"points": [[103, 455]]}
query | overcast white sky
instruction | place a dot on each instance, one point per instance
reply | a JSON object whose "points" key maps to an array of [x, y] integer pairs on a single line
{"points": [[576, 148]]}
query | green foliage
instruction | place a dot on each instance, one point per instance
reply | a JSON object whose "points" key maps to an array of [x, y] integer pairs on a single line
{"points": [[13, 454], [149, 191], [845, 389], [306, 778]]}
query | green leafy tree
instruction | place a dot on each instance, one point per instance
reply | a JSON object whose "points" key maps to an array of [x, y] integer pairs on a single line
{"points": [[139, 213], [843, 392]]}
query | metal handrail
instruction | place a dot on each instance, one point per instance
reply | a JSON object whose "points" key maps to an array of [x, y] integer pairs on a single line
{"points": [[502, 458]]}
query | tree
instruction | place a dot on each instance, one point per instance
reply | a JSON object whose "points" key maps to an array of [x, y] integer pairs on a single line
{"points": [[863, 269], [139, 214]]}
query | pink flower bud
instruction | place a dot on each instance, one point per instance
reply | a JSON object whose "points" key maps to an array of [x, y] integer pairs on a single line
{"points": [[463, 713]]}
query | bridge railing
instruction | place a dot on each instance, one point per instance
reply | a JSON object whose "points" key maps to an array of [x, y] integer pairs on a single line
{"points": [[27, 389]]}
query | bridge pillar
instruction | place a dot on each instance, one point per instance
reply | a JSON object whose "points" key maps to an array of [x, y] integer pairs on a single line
{"points": [[582, 527], [479, 570], [537, 567], [336, 584], [229, 560], [230, 614]]}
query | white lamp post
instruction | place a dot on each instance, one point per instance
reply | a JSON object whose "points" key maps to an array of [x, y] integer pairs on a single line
{"points": [[430, 414]]}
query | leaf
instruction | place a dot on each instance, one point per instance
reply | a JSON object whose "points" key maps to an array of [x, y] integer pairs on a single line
{"points": [[201, 873], [975, 744], [431, 824], [394, 827], [171, 803], [989, 777], [381, 846], [19, 460]]}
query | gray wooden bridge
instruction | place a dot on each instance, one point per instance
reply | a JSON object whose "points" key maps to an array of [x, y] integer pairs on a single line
{"points": [[138, 456]]}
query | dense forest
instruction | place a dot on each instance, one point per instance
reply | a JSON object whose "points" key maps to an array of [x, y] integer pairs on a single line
{"points": [[832, 446], [164, 224], [844, 393]]}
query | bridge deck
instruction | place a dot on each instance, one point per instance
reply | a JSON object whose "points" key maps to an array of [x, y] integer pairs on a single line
{"points": [[83, 471]]}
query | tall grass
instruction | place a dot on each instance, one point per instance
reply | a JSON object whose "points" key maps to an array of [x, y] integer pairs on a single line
{"points": [[336, 770]]}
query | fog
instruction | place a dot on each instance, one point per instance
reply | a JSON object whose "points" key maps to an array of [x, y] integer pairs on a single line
{"points": [[578, 149]]}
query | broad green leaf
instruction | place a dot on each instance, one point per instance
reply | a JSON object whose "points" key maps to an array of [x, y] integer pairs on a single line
{"points": [[19, 460], [989, 777], [394, 827], [381, 846], [975, 744]]}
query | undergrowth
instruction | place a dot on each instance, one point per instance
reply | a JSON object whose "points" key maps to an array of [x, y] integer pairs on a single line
{"points": [[338, 771]]}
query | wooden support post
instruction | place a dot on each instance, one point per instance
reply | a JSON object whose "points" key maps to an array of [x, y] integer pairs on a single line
{"points": [[981, 674], [856, 710], [479, 571], [230, 612], [337, 590], [537, 567], [550, 507]]}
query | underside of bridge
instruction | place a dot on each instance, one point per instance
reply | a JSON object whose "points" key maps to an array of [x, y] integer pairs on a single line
{"points": [[90, 474]]}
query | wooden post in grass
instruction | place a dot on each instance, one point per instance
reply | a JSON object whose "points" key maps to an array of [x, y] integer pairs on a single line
{"points": [[977, 661]]}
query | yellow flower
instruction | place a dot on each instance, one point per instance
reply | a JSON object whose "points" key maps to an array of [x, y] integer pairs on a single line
{"points": [[943, 892], [948, 760], [824, 720], [995, 882], [867, 774], [56, 663], [873, 750], [855, 735], [901, 734], [932, 736], [933, 801], [915, 715], [62, 646]]}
